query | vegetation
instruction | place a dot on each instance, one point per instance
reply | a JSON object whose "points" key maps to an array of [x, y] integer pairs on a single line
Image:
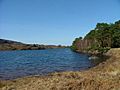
{"points": [[101, 39], [74, 47]]}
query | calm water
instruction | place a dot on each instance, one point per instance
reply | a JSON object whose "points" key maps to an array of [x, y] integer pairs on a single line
{"points": [[14, 64]]}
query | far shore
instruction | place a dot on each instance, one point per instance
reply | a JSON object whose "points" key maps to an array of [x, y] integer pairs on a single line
{"points": [[105, 76], [15, 45]]}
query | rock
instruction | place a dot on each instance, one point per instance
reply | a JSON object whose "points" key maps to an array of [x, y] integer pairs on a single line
{"points": [[93, 57]]}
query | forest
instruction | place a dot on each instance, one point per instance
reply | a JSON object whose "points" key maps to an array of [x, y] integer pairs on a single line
{"points": [[103, 37]]}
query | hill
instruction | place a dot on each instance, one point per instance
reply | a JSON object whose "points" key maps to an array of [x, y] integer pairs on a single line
{"points": [[4, 41], [14, 45]]}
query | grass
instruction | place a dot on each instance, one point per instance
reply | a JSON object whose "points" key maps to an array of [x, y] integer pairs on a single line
{"points": [[2, 85]]}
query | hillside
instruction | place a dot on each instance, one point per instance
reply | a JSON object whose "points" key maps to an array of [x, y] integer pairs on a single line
{"points": [[14, 45], [4, 41]]}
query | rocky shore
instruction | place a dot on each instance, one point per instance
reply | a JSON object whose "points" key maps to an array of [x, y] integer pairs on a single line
{"points": [[105, 76]]}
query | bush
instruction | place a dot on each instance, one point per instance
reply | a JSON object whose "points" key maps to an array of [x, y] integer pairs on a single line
{"points": [[102, 50], [73, 47]]}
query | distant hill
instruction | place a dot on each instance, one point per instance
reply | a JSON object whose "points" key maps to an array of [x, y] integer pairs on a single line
{"points": [[4, 41], [14, 45]]}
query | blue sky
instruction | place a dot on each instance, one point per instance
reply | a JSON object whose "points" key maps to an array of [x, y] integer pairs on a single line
{"points": [[54, 21]]}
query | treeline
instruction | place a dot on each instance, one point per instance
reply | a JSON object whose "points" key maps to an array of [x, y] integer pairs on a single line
{"points": [[100, 39]]}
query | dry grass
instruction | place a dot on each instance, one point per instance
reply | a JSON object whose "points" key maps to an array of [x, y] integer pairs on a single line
{"points": [[1, 85], [105, 76]]}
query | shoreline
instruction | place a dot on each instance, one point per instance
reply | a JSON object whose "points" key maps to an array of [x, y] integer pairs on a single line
{"points": [[104, 76]]}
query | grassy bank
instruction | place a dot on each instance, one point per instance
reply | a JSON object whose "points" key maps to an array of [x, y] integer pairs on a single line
{"points": [[105, 76]]}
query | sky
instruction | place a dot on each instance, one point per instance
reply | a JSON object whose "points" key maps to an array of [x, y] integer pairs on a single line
{"points": [[54, 22]]}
